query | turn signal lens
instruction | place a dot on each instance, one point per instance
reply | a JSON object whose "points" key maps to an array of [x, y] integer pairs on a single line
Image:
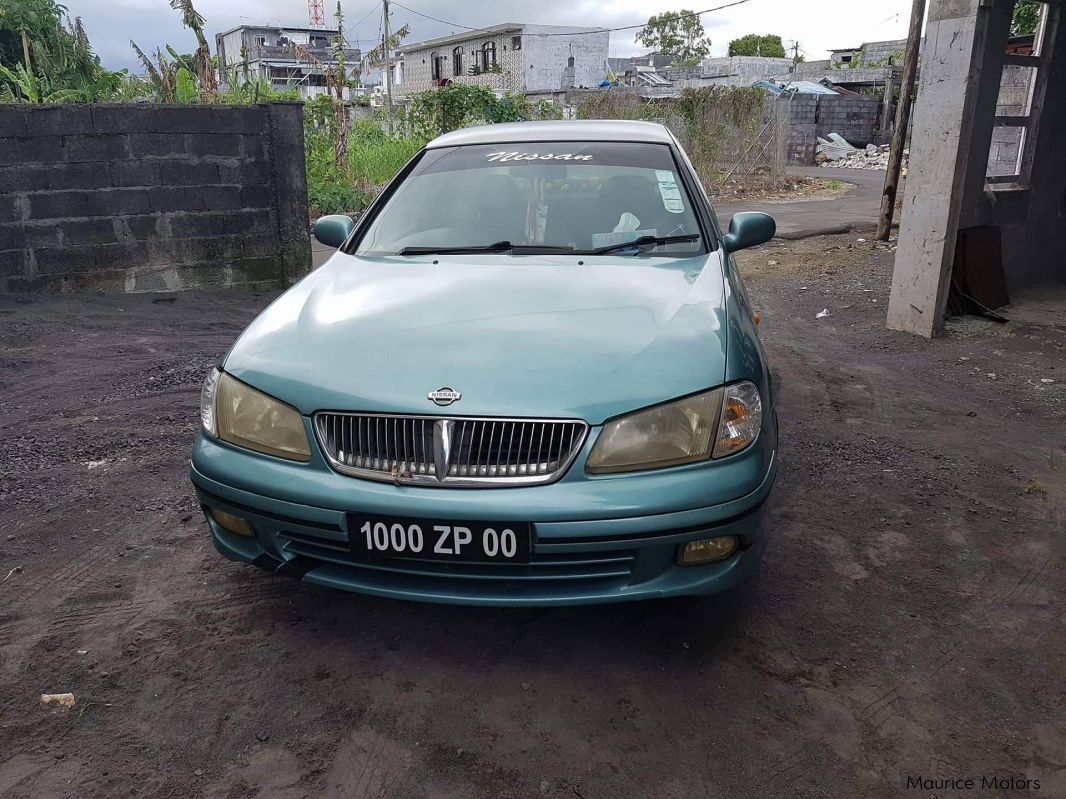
{"points": [[741, 418], [232, 523], [709, 550]]}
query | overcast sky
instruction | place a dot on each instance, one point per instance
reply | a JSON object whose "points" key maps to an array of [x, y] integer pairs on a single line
{"points": [[817, 24]]}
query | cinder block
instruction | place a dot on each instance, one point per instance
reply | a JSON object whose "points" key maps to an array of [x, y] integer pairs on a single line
{"points": [[117, 202], [188, 174], [30, 150], [239, 119], [88, 231], [221, 145], [122, 118], [29, 235], [22, 178], [105, 147], [87, 175], [167, 198], [134, 173], [252, 172], [10, 208], [157, 145], [60, 120], [184, 224], [248, 222], [208, 248], [57, 204], [122, 255], [256, 197], [13, 120], [64, 260], [214, 198], [182, 118], [13, 263], [145, 227]]}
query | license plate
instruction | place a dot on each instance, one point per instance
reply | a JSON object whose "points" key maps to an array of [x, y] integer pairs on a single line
{"points": [[439, 539]]}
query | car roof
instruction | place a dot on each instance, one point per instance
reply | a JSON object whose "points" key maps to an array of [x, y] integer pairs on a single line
{"points": [[570, 130]]}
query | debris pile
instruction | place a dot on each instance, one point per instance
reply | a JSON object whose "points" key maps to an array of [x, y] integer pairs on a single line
{"points": [[836, 151]]}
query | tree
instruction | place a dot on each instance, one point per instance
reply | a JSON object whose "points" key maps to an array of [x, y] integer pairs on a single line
{"points": [[205, 72], [768, 46], [1025, 19], [678, 34], [32, 21]]}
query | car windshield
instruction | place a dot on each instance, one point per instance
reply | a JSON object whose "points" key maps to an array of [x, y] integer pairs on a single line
{"points": [[584, 197]]}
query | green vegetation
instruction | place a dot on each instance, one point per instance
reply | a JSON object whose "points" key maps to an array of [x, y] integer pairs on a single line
{"points": [[716, 124], [373, 157], [768, 46], [45, 57], [1025, 19], [678, 34]]}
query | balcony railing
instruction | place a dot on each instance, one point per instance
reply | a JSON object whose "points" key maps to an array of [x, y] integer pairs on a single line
{"points": [[264, 52]]}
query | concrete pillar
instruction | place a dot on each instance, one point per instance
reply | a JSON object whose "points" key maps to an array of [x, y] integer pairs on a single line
{"points": [[960, 72], [884, 133]]}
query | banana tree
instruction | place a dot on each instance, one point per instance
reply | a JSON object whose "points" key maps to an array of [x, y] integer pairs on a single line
{"points": [[205, 72]]}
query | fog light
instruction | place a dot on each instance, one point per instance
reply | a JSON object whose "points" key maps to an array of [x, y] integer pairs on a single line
{"points": [[231, 523], [708, 550]]}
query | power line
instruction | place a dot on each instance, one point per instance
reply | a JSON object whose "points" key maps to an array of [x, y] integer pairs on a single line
{"points": [[597, 30]]}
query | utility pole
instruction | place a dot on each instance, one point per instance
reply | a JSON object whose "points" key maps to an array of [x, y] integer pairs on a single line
{"points": [[795, 53], [388, 66], [903, 116]]}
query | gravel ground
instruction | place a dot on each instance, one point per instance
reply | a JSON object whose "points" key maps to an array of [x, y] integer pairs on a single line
{"points": [[908, 621]]}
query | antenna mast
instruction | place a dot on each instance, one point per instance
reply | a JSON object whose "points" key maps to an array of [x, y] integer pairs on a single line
{"points": [[315, 18]]}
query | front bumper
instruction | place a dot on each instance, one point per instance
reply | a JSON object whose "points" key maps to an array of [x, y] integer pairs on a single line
{"points": [[595, 540]]}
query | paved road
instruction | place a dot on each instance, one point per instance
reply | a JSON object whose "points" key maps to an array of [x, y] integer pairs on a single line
{"points": [[856, 208]]}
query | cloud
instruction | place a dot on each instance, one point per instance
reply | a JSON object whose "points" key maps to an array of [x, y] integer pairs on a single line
{"points": [[817, 25]]}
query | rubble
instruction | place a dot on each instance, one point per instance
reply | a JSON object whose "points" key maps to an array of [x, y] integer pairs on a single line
{"points": [[872, 157]]}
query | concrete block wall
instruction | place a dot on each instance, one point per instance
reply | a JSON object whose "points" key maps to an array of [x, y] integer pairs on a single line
{"points": [[812, 115], [144, 197]]}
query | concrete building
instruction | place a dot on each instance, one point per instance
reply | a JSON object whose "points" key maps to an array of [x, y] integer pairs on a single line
{"points": [[737, 71], [273, 54], [951, 196], [512, 57]]}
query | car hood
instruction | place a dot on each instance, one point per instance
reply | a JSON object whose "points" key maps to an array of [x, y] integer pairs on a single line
{"points": [[539, 336]]}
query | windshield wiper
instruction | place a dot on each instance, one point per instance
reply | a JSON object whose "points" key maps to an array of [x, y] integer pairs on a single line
{"points": [[498, 246], [642, 241]]}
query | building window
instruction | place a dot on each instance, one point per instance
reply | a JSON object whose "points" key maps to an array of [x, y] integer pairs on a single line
{"points": [[457, 61], [488, 56], [516, 42], [435, 65], [260, 41]]}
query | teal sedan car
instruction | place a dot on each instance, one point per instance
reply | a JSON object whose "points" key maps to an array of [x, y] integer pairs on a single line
{"points": [[530, 375]]}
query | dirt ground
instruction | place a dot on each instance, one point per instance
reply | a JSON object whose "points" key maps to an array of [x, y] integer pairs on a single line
{"points": [[908, 621]]}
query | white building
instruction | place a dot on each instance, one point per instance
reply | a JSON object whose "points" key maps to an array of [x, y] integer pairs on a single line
{"points": [[273, 56], [512, 57]]}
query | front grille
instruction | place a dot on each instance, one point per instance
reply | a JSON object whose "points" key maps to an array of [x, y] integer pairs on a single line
{"points": [[449, 451]]}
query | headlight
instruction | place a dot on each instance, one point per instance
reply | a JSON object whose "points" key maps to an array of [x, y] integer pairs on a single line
{"points": [[207, 401], [679, 432], [741, 419], [251, 419], [666, 435]]}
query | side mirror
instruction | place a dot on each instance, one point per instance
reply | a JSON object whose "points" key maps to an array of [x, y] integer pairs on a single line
{"points": [[333, 230], [749, 228]]}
